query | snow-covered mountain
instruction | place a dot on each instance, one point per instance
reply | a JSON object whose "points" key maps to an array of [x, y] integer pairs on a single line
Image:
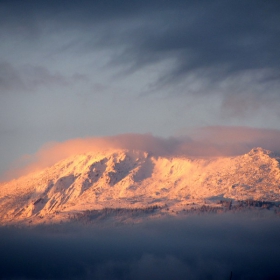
{"points": [[124, 179]]}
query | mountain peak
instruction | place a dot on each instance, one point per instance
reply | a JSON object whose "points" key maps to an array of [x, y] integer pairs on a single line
{"points": [[259, 151], [135, 179]]}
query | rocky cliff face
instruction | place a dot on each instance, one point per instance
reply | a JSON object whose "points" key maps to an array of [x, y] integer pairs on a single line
{"points": [[138, 180]]}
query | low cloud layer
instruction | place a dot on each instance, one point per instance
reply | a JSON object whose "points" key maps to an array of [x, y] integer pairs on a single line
{"points": [[197, 247], [203, 142]]}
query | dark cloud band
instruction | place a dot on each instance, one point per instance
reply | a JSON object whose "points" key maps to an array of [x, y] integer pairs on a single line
{"points": [[235, 35]]}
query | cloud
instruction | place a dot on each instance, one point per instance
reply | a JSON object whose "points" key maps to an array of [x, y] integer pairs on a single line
{"points": [[237, 140], [52, 152], [29, 78], [230, 48], [9, 78], [204, 142], [227, 36], [195, 247]]}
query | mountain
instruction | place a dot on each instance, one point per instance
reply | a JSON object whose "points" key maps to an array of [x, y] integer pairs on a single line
{"points": [[138, 181]]}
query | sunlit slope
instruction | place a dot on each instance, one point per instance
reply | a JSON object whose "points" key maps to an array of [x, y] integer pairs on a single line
{"points": [[134, 179]]}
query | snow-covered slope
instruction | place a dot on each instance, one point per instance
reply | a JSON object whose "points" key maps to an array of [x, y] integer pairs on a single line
{"points": [[135, 179]]}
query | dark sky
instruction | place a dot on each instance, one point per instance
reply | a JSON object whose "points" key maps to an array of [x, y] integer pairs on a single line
{"points": [[94, 68]]}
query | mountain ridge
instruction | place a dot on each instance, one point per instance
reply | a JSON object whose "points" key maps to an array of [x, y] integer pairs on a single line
{"points": [[129, 179]]}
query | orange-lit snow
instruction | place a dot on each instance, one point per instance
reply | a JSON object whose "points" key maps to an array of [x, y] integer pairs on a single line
{"points": [[203, 142], [130, 178]]}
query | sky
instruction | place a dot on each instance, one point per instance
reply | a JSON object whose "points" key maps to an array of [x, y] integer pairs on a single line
{"points": [[80, 69]]}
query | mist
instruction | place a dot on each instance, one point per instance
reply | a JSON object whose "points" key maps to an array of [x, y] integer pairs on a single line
{"points": [[194, 247], [212, 141]]}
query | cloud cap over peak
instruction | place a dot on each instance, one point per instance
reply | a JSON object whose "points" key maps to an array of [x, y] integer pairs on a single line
{"points": [[204, 142]]}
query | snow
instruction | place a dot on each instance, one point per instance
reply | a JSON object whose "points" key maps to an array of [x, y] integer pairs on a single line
{"points": [[136, 179]]}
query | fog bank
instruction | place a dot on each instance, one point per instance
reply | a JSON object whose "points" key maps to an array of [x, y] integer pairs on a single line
{"points": [[196, 247]]}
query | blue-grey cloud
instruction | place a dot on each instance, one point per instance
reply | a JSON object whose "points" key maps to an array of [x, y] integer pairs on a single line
{"points": [[28, 78], [9, 78], [230, 36], [227, 47]]}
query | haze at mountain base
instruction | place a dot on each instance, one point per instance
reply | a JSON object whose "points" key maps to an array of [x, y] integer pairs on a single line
{"points": [[196, 247]]}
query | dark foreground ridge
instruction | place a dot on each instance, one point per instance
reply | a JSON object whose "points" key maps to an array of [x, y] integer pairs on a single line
{"points": [[99, 215], [131, 215], [240, 205]]}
